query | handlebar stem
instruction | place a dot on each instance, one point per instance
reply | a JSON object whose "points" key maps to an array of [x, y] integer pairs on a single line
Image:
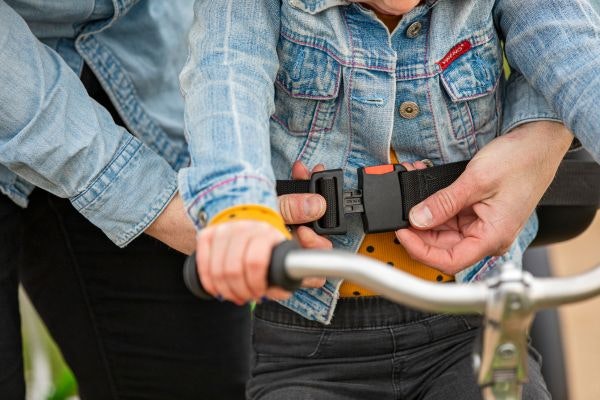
{"points": [[502, 368]]}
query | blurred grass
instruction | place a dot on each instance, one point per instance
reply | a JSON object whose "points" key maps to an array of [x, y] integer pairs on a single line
{"points": [[47, 375]]}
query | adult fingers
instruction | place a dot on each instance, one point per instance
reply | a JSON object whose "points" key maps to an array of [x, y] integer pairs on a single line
{"points": [[299, 209], [276, 293], [309, 239], [447, 257], [443, 205], [300, 171], [313, 282], [318, 168], [422, 164]]}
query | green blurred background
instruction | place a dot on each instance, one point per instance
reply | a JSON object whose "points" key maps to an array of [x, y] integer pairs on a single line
{"points": [[47, 375]]}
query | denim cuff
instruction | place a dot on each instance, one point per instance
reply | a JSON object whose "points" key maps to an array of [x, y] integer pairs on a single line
{"points": [[16, 188], [227, 192], [522, 104], [129, 193]]}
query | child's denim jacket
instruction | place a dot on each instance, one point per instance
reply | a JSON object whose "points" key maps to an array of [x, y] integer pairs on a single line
{"points": [[322, 81]]}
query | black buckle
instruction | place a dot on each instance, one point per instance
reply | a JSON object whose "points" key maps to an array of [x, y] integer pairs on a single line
{"points": [[382, 198], [378, 199], [330, 184]]}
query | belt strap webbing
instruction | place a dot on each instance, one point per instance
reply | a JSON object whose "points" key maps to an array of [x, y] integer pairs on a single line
{"points": [[577, 183]]}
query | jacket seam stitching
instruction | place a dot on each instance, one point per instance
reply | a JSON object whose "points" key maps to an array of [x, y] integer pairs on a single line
{"points": [[103, 172], [204, 193]]}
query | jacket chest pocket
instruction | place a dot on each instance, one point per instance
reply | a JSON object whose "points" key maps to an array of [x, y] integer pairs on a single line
{"points": [[306, 88], [470, 82]]}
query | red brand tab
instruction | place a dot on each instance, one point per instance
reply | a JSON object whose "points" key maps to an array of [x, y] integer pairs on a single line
{"points": [[453, 54]]}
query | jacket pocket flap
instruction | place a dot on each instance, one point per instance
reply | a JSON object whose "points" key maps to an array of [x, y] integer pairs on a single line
{"points": [[471, 71], [307, 72]]}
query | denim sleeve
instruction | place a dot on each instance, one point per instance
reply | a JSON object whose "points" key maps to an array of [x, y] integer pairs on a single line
{"points": [[555, 46], [228, 85], [522, 103], [54, 136]]}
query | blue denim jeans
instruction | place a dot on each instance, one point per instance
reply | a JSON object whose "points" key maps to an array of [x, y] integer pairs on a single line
{"points": [[374, 349]]}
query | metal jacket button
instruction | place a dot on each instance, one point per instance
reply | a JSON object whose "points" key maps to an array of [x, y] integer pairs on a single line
{"points": [[413, 30], [202, 219], [409, 109]]}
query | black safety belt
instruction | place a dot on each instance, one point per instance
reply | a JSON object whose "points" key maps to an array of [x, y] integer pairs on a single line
{"points": [[386, 193]]}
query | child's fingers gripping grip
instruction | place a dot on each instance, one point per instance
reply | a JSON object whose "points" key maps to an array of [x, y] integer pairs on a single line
{"points": [[277, 272]]}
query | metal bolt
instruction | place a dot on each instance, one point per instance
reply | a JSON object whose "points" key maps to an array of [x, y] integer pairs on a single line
{"points": [[476, 362], [515, 303], [507, 351]]}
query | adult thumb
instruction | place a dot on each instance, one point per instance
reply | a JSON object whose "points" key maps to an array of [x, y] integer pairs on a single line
{"points": [[301, 208], [440, 206]]}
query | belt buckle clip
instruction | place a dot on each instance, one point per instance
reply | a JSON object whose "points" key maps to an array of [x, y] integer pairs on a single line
{"points": [[382, 198], [330, 184]]}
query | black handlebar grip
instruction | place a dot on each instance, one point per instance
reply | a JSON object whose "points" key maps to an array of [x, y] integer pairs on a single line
{"points": [[277, 274], [192, 279]]}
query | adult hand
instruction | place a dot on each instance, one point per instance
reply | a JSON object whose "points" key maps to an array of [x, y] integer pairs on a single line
{"points": [[482, 212], [174, 228], [302, 208]]}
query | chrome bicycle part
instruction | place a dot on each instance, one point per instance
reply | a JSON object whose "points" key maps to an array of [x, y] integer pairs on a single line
{"points": [[508, 301]]}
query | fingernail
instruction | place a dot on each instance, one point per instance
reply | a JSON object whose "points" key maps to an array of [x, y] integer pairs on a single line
{"points": [[428, 163], [313, 206], [264, 299], [219, 297], [421, 216]]}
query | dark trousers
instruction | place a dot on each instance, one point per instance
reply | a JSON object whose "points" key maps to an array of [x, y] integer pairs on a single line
{"points": [[123, 319], [374, 349]]}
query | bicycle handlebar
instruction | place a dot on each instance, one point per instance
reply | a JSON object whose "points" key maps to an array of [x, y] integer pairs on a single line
{"points": [[553, 292], [290, 264], [507, 299], [394, 284]]}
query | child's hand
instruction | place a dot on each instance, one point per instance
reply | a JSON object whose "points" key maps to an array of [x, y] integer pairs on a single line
{"points": [[233, 259]]}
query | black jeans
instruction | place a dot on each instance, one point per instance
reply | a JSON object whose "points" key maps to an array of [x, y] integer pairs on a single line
{"points": [[373, 349], [123, 319]]}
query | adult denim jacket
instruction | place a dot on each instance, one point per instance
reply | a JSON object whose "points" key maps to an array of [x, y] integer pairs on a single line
{"points": [[52, 135], [322, 81]]}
